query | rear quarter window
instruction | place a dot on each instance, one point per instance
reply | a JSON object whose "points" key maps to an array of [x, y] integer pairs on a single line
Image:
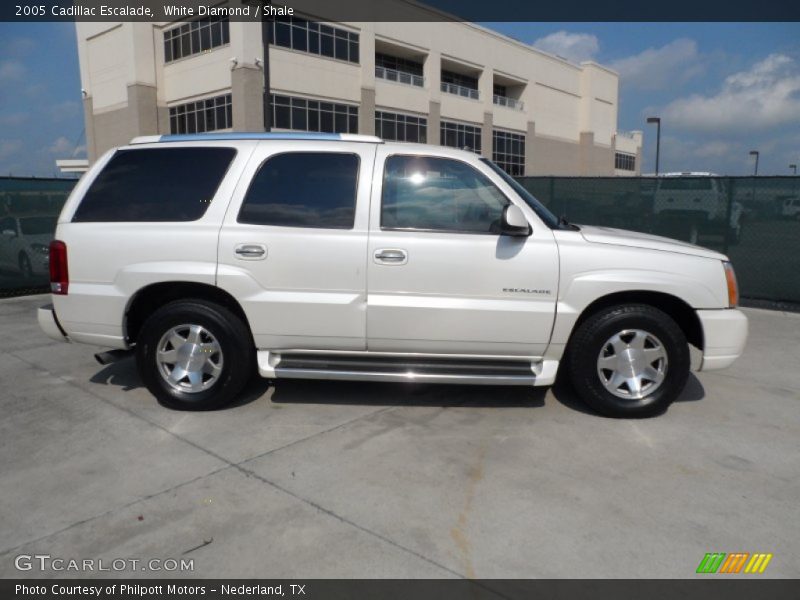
{"points": [[161, 184]]}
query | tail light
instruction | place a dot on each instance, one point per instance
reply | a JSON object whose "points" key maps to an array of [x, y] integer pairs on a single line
{"points": [[733, 288], [59, 275]]}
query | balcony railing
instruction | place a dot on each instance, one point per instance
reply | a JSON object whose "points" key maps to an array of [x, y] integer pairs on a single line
{"points": [[399, 76], [459, 90], [509, 102]]}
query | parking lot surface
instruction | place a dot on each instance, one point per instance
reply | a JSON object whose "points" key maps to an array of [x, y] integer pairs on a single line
{"points": [[319, 479]]}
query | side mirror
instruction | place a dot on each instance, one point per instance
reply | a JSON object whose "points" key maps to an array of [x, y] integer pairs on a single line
{"points": [[514, 222]]}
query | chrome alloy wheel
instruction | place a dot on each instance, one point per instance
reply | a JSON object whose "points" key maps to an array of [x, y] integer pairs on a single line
{"points": [[632, 364], [189, 358]]}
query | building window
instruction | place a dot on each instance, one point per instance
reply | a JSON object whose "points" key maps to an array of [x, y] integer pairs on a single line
{"points": [[304, 189], [401, 70], [624, 161], [499, 90], [398, 64], [315, 38], [301, 114], [459, 135], [195, 37], [402, 128], [459, 79], [210, 114], [460, 85], [508, 152]]}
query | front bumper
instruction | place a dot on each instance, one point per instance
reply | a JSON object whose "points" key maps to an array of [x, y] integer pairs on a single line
{"points": [[724, 336], [46, 315]]}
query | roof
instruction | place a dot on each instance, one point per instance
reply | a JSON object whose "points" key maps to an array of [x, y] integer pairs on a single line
{"points": [[233, 135]]}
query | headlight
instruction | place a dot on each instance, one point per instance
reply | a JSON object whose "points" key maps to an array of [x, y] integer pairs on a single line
{"points": [[733, 288], [40, 249]]}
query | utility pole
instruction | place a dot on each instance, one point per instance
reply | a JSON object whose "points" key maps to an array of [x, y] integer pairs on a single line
{"points": [[657, 121]]}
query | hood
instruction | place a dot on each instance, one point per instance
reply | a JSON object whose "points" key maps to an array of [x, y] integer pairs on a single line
{"points": [[634, 239]]}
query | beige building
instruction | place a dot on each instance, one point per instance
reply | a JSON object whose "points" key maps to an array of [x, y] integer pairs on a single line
{"points": [[440, 82]]}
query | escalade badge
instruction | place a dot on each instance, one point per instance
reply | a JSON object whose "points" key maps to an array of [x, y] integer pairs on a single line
{"points": [[526, 291]]}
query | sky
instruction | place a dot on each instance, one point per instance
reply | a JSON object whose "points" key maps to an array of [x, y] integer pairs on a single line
{"points": [[721, 90]]}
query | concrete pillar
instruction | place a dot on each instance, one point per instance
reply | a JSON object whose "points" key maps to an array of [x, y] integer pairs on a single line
{"points": [[247, 97], [88, 120], [432, 71], [434, 123], [366, 112], [163, 120], [143, 109], [530, 144], [486, 135], [585, 153]]}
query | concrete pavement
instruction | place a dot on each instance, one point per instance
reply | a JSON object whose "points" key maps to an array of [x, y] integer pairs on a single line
{"points": [[318, 479]]}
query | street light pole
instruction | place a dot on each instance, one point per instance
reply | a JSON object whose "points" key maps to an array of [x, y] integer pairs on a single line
{"points": [[755, 153], [794, 169], [657, 121]]}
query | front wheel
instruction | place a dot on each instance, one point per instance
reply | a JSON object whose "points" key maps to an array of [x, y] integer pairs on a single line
{"points": [[194, 355], [629, 361]]}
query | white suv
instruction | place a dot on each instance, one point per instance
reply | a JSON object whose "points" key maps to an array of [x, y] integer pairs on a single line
{"points": [[326, 256]]}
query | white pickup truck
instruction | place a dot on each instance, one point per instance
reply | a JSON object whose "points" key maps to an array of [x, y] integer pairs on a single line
{"points": [[327, 256]]}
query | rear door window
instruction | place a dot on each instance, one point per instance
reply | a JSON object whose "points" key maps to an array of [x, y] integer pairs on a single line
{"points": [[161, 184], [304, 189]]}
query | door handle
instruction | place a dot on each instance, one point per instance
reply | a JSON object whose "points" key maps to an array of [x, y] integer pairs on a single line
{"points": [[251, 251], [391, 256]]}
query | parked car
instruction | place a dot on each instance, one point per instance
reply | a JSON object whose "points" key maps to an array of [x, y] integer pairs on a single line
{"points": [[326, 256], [24, 244], [790, 207], [692, 204]]}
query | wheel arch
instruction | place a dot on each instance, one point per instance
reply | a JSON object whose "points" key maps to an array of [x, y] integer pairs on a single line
{"points": [[152, 297], [677, 309]]}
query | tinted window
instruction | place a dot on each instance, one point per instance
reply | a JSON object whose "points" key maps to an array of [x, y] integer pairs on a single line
{"points": [[164, 184], [304, 189], [439, 194], [685, 183]]}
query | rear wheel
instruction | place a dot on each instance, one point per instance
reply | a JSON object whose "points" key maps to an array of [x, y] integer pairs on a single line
{"points": [[629, 361], [194, 355]]}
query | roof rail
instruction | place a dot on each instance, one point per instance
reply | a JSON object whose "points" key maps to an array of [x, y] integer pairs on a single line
{"points": [[229, 136]]}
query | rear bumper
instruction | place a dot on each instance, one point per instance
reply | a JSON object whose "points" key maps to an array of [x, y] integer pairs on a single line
{"points": [[46, 315], [724, 336]]}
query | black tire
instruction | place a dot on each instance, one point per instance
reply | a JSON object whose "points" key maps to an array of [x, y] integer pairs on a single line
{"points": [[589, 340], [25, 266], [233, 337]]}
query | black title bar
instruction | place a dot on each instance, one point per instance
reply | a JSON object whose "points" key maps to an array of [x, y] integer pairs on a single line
{"points": [[402, 10]]}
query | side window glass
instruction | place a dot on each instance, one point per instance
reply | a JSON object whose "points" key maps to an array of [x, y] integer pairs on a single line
{"points": [[155, 184], [439, 194], [304, 189]]}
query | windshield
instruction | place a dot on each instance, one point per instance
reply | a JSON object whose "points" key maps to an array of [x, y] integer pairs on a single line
{"points": [[37, 225], [685, 183], [540, 209]]}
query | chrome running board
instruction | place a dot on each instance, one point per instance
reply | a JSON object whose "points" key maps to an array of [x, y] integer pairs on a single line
{"points": [[409, 368]]}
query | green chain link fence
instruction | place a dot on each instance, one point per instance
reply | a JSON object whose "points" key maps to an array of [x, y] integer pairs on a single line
{"points": [[28, 211], [755, 220]]}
